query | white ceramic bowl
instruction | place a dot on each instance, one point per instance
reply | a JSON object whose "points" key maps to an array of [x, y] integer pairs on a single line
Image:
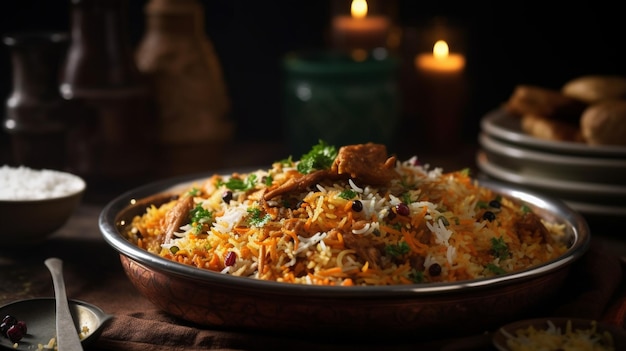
{"points": [[40, 203]]}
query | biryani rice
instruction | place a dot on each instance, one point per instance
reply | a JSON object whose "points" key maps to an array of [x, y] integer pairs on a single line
{"points": [[301, 237]]}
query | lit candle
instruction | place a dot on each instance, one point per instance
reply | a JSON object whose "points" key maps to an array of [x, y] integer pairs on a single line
{"points": [[360, 30], [441, 60], [441, 96]]}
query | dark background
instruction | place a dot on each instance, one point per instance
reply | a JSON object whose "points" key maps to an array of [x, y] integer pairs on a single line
{"points": [[507, 43]]}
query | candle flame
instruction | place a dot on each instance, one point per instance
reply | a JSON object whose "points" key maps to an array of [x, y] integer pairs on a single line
{"points": [[440, 49], [358, 9]]}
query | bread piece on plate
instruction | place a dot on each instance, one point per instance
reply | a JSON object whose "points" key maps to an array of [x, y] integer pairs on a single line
{"points": [[594, 88], [550, 129], [548, 103], [604, 123]]}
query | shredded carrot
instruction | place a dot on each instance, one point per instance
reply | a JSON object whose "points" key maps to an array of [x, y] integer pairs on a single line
{"points": [[419, 218], [388, 229], [220, 235], [347, 206], [365, 266], [214, 263], [241, 230], [324, 234], [347, 282], [294, 236], [330, 271]]}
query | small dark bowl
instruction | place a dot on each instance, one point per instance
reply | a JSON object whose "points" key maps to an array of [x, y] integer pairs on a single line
{"points": [[32, 221], [419, 310]]}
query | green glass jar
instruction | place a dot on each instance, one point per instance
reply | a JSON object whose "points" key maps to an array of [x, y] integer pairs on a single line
{"points": [[334, 97]]}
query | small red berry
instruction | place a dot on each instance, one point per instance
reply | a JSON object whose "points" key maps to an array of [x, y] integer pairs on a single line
{"points": [[15, 333], [402, 209], [230, 258], [22, 326]]}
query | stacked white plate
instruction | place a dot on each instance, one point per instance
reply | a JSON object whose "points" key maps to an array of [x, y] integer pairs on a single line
{"points": [[590, 179]]}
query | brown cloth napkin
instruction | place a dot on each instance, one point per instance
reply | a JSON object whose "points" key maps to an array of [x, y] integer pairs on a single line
{"points": [[593, 289]]}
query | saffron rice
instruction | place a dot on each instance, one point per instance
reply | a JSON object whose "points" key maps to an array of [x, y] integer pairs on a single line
{"points": [[454, 229]]}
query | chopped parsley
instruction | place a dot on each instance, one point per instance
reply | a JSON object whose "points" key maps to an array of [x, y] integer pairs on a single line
{"points": [[482, 204], [194, 192], [526, 209], [499, 248], [320, 157], [416, 276], [256, 220], [347, 194], [241, 184], [495, 269], [286, 161], [199, 216], [406, 198], [398, 250]]}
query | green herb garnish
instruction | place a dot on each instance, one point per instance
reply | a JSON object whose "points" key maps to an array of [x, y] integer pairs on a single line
{"points": [[241, 184], [320, 157], [416, 276], [286, 161], [482, 204], [499, 248], [199, 216], [495, 269], [406, 198], [347, 194], [194, 192], [256, 220], [397, 250]]}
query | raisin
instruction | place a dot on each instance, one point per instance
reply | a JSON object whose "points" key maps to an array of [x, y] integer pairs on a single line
{"points": [[230, 258], [434, 269], [402, 209]]}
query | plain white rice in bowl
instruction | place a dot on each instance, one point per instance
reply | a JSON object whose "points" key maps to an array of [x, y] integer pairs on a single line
{"points": [[23, 183], [35, 203]]}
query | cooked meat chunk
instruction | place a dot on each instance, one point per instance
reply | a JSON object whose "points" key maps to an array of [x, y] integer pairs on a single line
{"points": [[297, 184], [176, 217], [368, 163], [530, 226], [364, 248]]}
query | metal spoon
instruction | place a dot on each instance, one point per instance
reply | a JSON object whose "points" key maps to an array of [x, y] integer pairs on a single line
{"points": [[67, 334]]}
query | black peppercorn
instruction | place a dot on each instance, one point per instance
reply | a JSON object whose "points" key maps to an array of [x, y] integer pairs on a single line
{"points": [[490, 216], [434, 269]]}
